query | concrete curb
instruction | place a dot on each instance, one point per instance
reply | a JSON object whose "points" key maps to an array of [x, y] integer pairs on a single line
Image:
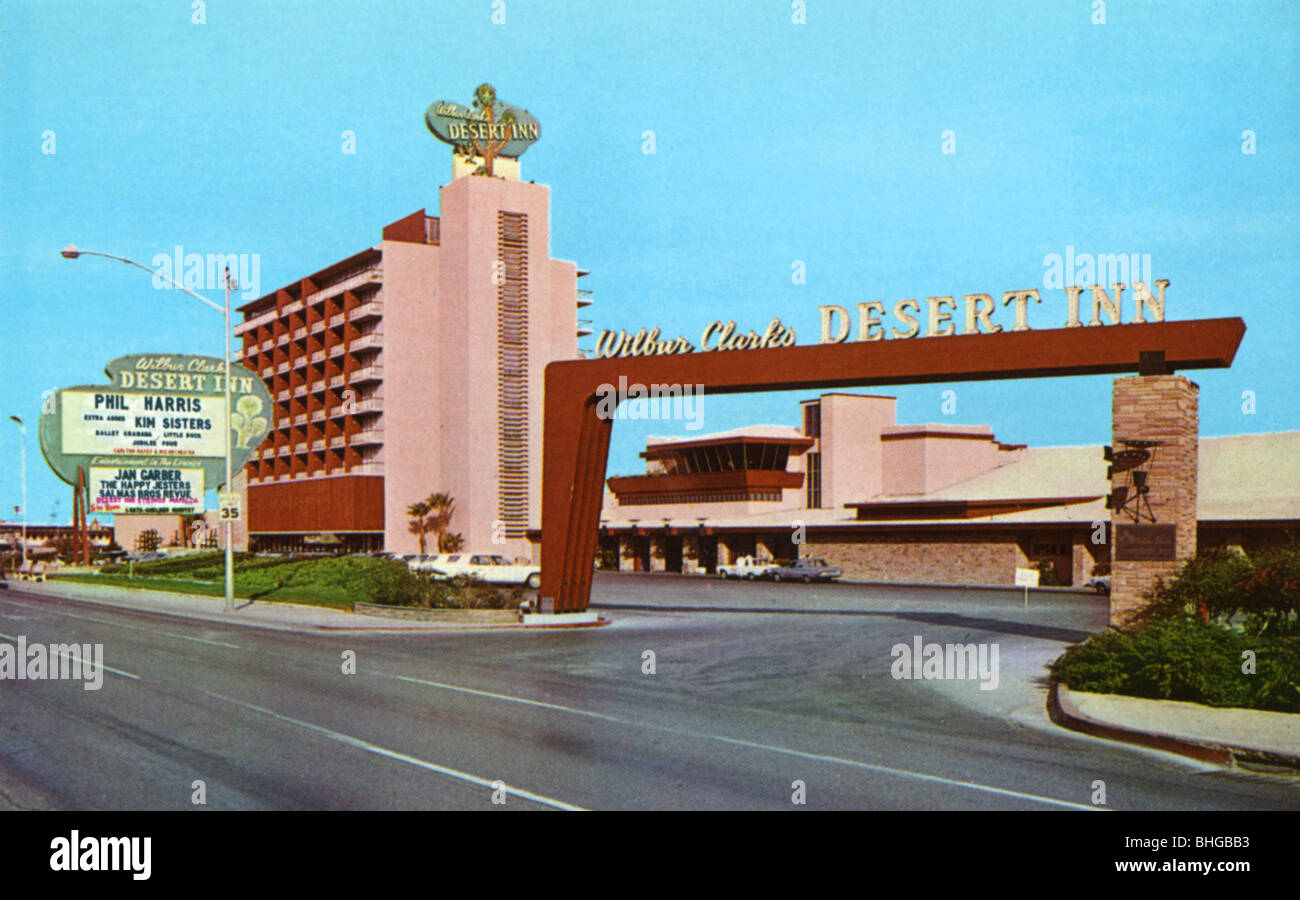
{"points": [[368, 625], [1062, 710]]}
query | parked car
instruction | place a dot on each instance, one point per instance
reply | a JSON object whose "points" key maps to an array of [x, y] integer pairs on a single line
{"points": [[412, 560], [1100, 584], [459, 568], [748, 567], [805, 570]]}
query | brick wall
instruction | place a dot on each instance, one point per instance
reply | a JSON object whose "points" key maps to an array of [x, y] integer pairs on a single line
{"points": [[928, 559], [1155, 408]]}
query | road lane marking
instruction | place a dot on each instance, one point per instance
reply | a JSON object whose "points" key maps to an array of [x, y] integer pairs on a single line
{"points": [[890, 770], [132, 627], [360, 744], [83, 662]]}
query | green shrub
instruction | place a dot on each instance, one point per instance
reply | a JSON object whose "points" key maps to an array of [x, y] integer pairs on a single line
{"points": [[1256, 595], [1182, 659], [479, 595]]}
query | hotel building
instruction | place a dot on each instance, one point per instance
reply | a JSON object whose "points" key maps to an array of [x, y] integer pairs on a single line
{"points": [[412, 367], [916, 503]]}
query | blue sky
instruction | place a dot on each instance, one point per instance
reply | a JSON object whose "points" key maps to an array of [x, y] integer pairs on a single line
{"points": [[774, 142]]}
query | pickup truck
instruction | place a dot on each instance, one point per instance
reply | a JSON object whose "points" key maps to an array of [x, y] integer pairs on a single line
{"points": [[805, 570], [747, 567]]}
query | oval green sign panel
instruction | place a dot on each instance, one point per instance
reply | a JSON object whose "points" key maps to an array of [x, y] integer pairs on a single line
{"points": [[489, 128], [158, 411]]}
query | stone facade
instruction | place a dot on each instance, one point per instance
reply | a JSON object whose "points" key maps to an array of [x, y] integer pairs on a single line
{"points": [[1155, 408], [927, 558]]}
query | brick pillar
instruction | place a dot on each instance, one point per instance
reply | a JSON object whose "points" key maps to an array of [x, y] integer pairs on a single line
{"points": [[690, 553], [1153, 408], [725, 555], [626, 553], [658, 560]]}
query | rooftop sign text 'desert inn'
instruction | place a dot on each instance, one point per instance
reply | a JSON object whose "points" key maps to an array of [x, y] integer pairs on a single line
{"points": [[940, 319], [489, 129]]}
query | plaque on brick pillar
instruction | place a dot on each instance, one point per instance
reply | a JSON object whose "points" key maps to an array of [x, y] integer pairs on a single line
{"points": [[1146, 542]]}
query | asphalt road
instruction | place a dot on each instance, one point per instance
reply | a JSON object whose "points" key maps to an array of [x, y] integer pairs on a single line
{"points": [[741, 706]]}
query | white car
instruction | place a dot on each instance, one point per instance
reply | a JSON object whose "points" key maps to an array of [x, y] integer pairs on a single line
{"points": [[748, 567], [459, 568]]}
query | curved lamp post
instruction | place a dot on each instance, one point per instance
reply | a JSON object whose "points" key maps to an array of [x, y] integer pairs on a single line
{"points": [[72, 252]]}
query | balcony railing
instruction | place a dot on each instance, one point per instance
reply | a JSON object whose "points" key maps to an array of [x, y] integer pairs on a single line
{"points": [[369, 436], [291, 308], [283, 395], [318, 445], [255, 322], [367, 373], [367, 311], [336, 380], [373, 404], [318, 356], [318, 416], [369, 276], [336, 320], [367, 341]]}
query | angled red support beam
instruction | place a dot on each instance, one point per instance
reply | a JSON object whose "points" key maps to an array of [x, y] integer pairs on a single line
{"points": [[575, 438]]}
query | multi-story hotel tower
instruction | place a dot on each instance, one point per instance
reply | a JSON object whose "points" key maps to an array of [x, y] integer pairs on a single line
{"points": [[414, 367]]}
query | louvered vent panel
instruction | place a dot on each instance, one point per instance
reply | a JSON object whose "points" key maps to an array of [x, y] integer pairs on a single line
{"points": [[512, 372]]}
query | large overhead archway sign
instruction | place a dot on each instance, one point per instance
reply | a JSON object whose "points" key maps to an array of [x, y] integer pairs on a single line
{"points": [[576, 431]]}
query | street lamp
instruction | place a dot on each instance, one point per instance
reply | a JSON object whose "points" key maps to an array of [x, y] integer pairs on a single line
{"points": [[72, 252], [22, 443]]}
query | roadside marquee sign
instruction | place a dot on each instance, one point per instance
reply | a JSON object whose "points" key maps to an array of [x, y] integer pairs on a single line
{"points": [[153, 438]]}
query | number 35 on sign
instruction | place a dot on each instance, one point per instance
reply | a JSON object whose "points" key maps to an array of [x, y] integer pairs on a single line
{"points": [[229, 507]]}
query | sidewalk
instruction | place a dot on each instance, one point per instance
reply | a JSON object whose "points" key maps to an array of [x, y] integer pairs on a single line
{"points": [[1221, 735], [258, 614]]}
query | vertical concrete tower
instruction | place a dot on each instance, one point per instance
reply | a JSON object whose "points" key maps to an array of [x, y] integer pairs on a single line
{"points": [[505, 309]]}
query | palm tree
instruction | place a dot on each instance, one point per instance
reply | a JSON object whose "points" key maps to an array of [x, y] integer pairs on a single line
{"points": [[441, 505], [453, 543], [420, 521]]}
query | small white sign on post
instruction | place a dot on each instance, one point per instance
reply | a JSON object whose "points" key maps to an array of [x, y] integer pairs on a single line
{"points": [[229, 507], [1026, 578]]}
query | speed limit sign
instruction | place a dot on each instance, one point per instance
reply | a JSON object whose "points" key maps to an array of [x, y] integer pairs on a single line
{"points": [[229, 506]]}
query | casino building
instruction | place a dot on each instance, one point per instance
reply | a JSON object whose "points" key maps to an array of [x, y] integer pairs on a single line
{"points": [[415, 366], [916, 503], [411, 367]]}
